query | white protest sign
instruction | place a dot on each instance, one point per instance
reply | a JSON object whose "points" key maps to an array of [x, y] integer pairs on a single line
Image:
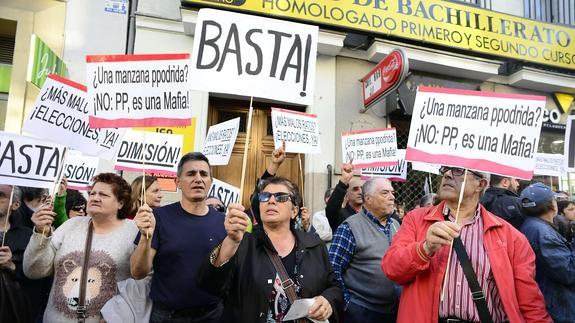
{"points": [[143, 90], [26, 161], [255, 56], [485, 131], [397, 173], [425, 167], [299, 130], [61, 114], [225, 192], [220, 141], [153, 151], [80, 170], [549, 164], [569, 144], [370, 148]]}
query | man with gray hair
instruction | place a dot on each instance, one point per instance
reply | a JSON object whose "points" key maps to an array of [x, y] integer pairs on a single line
{"points": [[356, 251]]}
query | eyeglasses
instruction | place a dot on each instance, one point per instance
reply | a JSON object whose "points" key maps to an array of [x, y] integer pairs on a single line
{"points": [[456, 171], [356, 188], [79, 208], [280, 197]]}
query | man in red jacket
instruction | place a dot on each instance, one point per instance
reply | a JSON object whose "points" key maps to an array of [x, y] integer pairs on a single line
{"points": [[500, 255]]}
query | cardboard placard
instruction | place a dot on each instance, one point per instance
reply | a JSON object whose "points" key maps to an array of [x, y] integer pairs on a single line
{"points": [[254, 56], [154, 152], [26, 161], [370, 148], [61, 114], [485, 131], [299, 130], [143, 90], [220, 141]]}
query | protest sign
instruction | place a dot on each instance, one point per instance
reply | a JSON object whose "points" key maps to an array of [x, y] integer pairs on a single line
{"points": [[154, 152], [569, 144], [138, 90], [396, 173], [425, 167], [299, 130], [220, 141], [549, 164], [370, 148], [26, 161], [255, 56], [188, 132], [484, 131], [61, 114], [225, 192], [80, 170]]}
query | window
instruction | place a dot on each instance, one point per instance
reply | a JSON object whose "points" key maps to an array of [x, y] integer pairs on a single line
{"points": [[553, 11]]}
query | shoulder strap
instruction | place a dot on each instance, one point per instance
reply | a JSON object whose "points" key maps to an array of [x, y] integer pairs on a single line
{"points": [[287, 283], [81, 309]]}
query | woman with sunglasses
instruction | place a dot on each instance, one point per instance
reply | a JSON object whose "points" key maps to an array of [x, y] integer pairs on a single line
{"points": [[153, 193], [240, 268]]}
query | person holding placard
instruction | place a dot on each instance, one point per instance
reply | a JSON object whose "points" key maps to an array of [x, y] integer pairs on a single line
{"points": [[555, 256], [347, 187], [174, 239], [356, 251], [88, 255], [262, 275], [420, 259]]}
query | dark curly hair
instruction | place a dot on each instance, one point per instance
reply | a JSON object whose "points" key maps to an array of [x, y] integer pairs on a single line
{"points": [[120, 188]]}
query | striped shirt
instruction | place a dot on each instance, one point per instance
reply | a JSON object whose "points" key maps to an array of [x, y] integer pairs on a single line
{"points": [[458, 301]]}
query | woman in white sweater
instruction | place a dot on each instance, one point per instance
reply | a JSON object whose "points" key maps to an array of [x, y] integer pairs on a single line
{"points": [[62, 252]]}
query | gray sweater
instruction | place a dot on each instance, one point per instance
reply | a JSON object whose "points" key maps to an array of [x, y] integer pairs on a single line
{"points": [[63, 254]]}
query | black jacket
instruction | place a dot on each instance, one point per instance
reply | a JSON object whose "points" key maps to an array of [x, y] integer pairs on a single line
{"points": [[243, 281], [505, 204], [333, 211]]}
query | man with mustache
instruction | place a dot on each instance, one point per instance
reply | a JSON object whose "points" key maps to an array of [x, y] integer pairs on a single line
{"points": [[174, 240], [501, 258]]}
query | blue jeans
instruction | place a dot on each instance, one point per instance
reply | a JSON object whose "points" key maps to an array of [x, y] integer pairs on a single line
{"points": [[358, 314], [161, 314]]}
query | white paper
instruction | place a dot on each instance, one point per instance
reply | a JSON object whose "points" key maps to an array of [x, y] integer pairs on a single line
{"points": [[299, 309]]}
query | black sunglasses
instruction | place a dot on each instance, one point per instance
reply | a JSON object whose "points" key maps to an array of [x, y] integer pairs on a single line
{"points": [[280, 197], [78, 208], [456, 171]]}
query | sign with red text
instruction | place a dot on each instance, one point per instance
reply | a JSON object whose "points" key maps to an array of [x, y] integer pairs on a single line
{"points": [[144, 90], [155, 152], [396, 173], [254, 56], [299, 130], [385, 77], [370, 148], [485, 131], [220, 141], [61, 114], [224, 192], [79, 170], [26, 161]]}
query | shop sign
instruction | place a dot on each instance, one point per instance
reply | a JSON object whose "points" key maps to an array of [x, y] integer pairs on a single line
{"points": [[444, 23], [385, 77], [43, 62]]}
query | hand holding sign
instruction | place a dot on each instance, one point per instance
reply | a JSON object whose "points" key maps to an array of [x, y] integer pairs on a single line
{"points": [[145, 221], [305, 218], [43, 218], [236, 222]]}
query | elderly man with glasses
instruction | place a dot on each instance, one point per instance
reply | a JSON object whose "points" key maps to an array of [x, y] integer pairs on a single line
{"points": [[500, 257], [356, 251]]}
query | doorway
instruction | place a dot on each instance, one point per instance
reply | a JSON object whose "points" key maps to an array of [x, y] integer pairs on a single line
{"points": [[261, 145]]}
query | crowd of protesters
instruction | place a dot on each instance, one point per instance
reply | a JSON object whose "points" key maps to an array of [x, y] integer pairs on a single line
{"points": [[119, 256]]}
